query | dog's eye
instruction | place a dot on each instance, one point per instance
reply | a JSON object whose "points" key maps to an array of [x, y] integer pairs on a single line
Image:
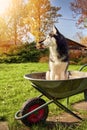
{"points": [[51, 35]]}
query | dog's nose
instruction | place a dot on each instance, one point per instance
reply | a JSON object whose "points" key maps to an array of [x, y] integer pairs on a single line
{"points": [[39, 45], [41, 42]]}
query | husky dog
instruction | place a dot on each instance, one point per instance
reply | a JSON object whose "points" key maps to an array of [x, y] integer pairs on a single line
{"points": [[58, 57]]}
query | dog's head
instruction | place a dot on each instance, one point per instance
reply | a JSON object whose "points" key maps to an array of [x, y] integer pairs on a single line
{"points": [[51, 38]]}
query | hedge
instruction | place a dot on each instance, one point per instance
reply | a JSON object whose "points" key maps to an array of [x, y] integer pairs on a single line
{"points": [[23, 53]]}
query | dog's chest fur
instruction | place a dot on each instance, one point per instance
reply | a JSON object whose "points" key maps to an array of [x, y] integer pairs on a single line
{"points": [[53, 54], [55, 61]]}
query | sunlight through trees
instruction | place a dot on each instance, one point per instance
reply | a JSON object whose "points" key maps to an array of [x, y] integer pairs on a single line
{"points": [[18, 17]]}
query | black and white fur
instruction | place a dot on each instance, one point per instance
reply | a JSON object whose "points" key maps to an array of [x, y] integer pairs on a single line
{"points": [[58, 57]]}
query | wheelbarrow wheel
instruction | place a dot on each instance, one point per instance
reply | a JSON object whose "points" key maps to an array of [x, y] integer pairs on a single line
{"points": [[36, 117]]}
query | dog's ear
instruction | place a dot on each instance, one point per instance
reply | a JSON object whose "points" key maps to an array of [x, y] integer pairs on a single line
{"points": [[55, 30]]}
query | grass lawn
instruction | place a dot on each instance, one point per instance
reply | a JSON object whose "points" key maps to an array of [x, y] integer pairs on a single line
{"points": [[15, 90]]}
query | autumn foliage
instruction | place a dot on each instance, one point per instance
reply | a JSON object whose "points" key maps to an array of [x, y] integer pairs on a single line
{"points": [[34, 16], [79, 8]]}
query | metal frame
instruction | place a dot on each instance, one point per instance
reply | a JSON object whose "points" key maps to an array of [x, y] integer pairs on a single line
{"points": [[55, 101], [51, 100]]}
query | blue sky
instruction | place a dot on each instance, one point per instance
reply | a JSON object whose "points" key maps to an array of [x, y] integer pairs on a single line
{"points": [[67, 24]]}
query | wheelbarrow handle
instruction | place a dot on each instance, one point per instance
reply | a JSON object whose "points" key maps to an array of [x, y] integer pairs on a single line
{"points": [[82, 67], [18, 113]]}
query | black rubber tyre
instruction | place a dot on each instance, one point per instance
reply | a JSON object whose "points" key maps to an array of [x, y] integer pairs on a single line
{"points": [[38, 116]]}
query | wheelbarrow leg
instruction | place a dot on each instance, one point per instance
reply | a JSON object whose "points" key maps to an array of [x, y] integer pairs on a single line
{"points": [[57, 103], [66, 109], [67, 101], [85, 92], [85, 95]]}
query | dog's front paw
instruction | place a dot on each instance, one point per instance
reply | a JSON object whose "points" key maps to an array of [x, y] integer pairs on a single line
{"points": [[47, 75]]}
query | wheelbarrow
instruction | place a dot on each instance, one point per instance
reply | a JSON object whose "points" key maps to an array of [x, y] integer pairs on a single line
{"points": [[35, 110]]}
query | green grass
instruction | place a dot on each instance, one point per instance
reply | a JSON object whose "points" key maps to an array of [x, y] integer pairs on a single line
{"points": [[15, 90]]}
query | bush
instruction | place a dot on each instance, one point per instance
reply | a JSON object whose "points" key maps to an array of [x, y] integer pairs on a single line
{"points": [[83, 61], [23, 53]]}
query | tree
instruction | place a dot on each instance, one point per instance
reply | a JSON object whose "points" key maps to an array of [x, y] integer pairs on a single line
{"points": [[32, 16], [3, 29], [14, 20], [84, 40], [79, 7], [41, 15]]}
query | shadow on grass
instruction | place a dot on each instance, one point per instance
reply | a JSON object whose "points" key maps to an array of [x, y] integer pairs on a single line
{"points": [[61, 125], [50, 125]]}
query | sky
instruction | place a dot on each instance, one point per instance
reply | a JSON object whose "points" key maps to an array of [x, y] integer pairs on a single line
{"points": [[67, 24]]}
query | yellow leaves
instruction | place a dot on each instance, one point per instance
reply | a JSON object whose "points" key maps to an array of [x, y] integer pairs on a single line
{"points": [[35, 16], [84, 40], [37, 13]]}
